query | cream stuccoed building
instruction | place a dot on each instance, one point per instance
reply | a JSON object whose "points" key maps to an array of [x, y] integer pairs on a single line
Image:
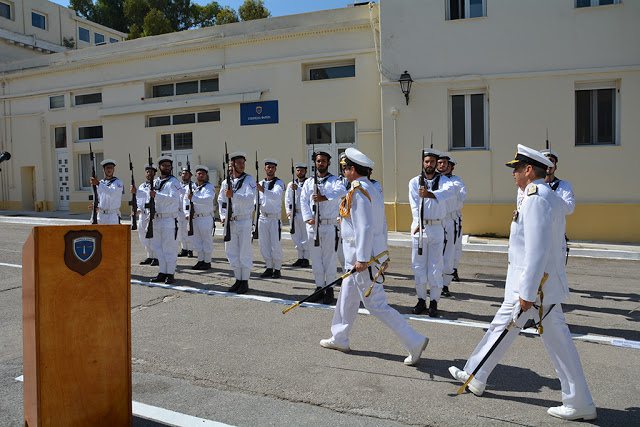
{"points": [[487, 75]]}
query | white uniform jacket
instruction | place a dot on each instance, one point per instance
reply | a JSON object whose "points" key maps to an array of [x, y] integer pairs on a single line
{"points": [[142, 196], [110, 195], [434, 209], [271, 199], [183, 193], [168, 195], [203, 196], [242, 202], [329, 186], [564, 190], [377, 185], [535, 247], [461, 192], [288, 198]]}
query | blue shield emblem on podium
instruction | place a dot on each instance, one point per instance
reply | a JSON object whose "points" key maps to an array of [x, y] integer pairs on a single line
{"points": [[84, 248], [259, 109]]}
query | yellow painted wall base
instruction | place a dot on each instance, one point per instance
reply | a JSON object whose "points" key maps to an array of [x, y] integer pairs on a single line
{"points": [[605, 222], [11, 205]]}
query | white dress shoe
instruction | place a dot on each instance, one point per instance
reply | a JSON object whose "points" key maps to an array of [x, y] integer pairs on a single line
{"points": [[586, 413], [475, 386], [415, 354], [329, 343]]}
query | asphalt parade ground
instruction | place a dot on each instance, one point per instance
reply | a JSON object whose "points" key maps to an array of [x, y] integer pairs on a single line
{"points": [[202, 356]]}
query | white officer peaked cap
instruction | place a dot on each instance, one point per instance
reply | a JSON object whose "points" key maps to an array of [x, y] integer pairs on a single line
{"points": [[270, 161], [431, 152], [550, 153], [358, 157], [152, 167], [302, 165], [237, 155], [202, 168], [106, 162], [529, 156], [164, 159]]}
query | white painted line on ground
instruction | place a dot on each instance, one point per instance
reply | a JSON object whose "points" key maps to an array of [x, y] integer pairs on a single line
{"points": [[42, 221], [164, 415], [11, 265]]}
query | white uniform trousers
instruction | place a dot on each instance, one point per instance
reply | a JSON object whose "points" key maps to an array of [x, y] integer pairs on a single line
{"points": [[323, 257], [300, 238], [341, 256], [449, 253], [142, 232], [458, 250], [427, 268], [238, 249], [202, 240], [165, 245], [270, 244], [557, 341], [351, 293], [108, 219], [183, 228]]}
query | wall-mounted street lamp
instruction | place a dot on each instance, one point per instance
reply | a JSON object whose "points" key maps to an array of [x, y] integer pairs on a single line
{"points": [[405, 84]]}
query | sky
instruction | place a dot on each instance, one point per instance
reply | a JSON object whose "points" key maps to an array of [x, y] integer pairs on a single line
{"points": [[276, 7]]}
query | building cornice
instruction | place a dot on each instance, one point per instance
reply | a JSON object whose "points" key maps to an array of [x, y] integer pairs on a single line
{"points": [[30, 42]]}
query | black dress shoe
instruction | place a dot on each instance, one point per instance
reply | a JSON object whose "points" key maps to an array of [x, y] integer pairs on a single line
{"points": [[146, 261], [183, 253], [328, 297], [298, 263], [445, 291], [455, 275], [198, 266], [244, 287], [191, 254], [169, 279], [155, 262], [205, 266], [305, 263], [267, 273], [420, 306], [433, 308], [235, 287], [318, 296], [530, 324], [276, 274], [160, 278]]}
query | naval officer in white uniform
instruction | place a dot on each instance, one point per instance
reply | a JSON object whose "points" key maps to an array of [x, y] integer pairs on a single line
{"points": [[364, 235], [535, 243]]}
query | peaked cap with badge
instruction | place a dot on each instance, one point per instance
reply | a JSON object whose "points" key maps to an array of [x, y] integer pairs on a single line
{"points": [[529, 156], [356, 156]]}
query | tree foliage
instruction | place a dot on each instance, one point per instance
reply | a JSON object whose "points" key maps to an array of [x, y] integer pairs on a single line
{"points": [[253, 9], [156, 23], [227, 16]]}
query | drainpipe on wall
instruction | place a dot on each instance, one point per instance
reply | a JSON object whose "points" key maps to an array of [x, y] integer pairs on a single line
{"points": [[394, 114]]}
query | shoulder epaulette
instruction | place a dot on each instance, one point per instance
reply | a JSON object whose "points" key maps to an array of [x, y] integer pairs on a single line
{"points": [[532, 190]]}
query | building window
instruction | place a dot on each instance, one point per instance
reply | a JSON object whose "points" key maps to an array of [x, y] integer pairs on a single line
{"points": [[112, 40], [84, 35], [98, 38], [185, 88], [56, 101], [468, 120], [60, 137], [596, 121], [181, 119], [39, 20], [465, 9], [89, 133], [5, 10], [331, 71], [594, 3], [334, 137], [88, 98], [84, 161], [176, 141]]}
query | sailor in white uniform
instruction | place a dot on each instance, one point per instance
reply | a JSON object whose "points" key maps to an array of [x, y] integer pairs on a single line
{"points": [[110, 190], [270, 192], [299, 237], [327, 200], [201, 196], [166, 194], [364, 235], [535, 243], [563, 189], [142, 195], [185, 241], [444, 168], [461, 196], [431, 193], [242, 194]]}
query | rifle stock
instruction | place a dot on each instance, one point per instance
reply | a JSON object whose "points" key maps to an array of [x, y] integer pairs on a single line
{"points": [[151, 206], [316, 205], [94, 216], [134, 202], [293, 203], [191, 209], [227, 222], [255, 234]]}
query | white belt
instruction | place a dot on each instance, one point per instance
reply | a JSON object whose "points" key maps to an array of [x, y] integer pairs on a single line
{"points": [[166, 215], [328, 222], [240, 217], [199, 215], [432, 222], [109, 211], [268, 215]]}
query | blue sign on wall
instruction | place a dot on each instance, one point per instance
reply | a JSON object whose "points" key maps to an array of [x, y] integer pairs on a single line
{"points": [[258, 113]]}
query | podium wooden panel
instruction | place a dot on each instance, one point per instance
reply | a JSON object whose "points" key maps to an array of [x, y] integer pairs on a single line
{"points": [[77, 330]]}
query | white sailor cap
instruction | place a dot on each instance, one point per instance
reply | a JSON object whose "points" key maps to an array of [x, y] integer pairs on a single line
{"points": [[237, 155], [356, 156], [164, 159], [270, 161], [431, 152], [202, 168], [550, 153], [152, 167], [302, 165], [322, 153], [529, 156], [452, 160], [106, 162], [185, 169]]}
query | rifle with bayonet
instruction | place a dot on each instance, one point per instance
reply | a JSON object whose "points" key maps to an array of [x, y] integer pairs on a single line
{"points": [[293, 198], [134, 201], [316, 205], [421, 208], [227, 222], [151, 205], [94, 216], [191, 209], [255, 234]]}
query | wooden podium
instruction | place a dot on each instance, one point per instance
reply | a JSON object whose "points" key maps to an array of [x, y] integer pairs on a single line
{"points": [[76, 310]]}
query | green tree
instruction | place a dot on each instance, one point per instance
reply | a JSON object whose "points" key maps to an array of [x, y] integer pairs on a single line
{"points": [[109, 13], [226, 16], [205, 16], [253, 9], [156, 23]]}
